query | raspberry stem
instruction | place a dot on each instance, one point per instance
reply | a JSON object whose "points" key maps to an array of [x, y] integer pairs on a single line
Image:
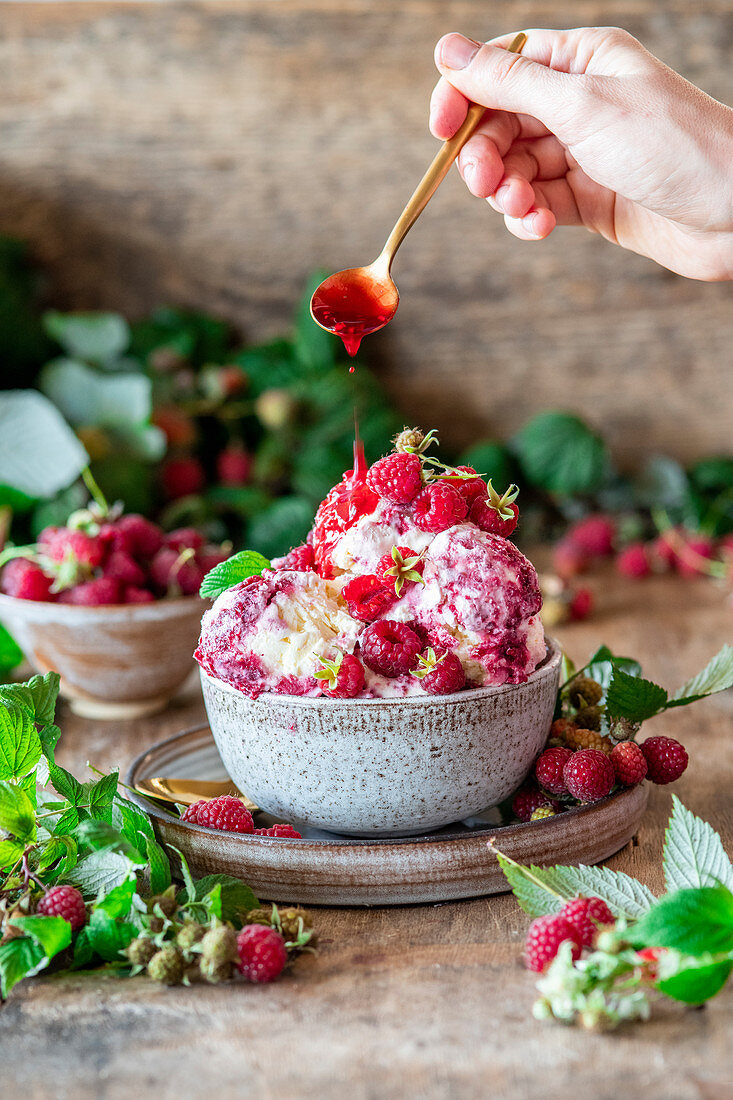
{"points": [[526, 871]]}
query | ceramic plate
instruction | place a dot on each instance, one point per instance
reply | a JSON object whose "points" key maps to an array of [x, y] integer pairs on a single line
{"points": [[328, 869]]}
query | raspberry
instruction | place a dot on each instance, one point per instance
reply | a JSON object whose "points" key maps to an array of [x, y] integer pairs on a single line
{"points": [[119, 566], [132, 594], [389, 647], [167, 965], [586, 739], [300, 559], [585, 915], [400, 569], [469, 487], [182, 477], [141, 950], [542, 812], [262, 953], [59, 543], [96, 593], [544, 938], [569, 560], [581, 604], [584, 692], [224, 812], [438, 507], [549, 769], [175, 570], [368, 597], [184, 538], [593, 535], [693, 555], [495, 513], [177, 427], [66, 902], [561, 727], [666, 759], [218, 953], [663, 550], [528, 799], [26, 581], [342, 678], [651, 956], [589, 718], [397, 477], [281, 831], [138, 536], [234, 466], [440, 673], [629, 763], [633, 561], [589, 775]]}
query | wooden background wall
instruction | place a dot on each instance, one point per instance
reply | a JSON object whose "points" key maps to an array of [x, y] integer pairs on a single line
{"points": [[214, 153]]}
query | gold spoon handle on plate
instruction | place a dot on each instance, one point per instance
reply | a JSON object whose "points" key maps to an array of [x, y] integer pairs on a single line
{"points": [[436, 173], [187, 791]]}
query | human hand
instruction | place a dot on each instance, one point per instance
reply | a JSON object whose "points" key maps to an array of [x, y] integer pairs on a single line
{"points": [[586, 127]]}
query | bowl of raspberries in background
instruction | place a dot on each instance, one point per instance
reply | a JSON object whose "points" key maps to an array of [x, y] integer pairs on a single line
{"points": [[110, 602]]}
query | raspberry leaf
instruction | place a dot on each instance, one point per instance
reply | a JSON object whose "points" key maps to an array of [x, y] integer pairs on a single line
{"points": [[633, 697], [108, 937], [694, 921], [20, 958], [245, 564], [236, 897], [100, 871], [20, 746], [559, 453], [693, 852], [716, 676], [160, 868], [17, 813], [692, 980], [52, 934], [36, 698], [542, 890]]}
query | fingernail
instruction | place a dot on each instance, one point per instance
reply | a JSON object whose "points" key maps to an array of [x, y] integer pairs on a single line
{"points": [[456, 52]]}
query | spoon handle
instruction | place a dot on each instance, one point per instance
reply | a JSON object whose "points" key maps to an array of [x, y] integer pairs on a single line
{"points": [[437, 171]]}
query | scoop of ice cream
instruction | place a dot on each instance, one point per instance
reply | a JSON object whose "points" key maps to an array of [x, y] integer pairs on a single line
{"points": [[267, 633]]}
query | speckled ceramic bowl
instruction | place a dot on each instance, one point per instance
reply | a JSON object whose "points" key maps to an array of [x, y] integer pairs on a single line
{"points": [[115, 662], [383, 767]]}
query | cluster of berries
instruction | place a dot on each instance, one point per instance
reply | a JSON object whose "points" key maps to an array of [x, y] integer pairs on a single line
{"points": [[578, 922], [100, 559], [392, 649], [687, 553], [583, 765], [230, 815]]}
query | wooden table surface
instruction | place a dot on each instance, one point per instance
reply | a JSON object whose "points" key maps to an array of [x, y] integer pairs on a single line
{"points": [[424, 1001]]}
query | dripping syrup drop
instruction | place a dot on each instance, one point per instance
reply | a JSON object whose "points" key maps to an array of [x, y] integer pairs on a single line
{"points": [[353, 307]]}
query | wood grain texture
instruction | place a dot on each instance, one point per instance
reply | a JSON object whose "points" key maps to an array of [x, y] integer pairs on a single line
{"points": [[422, 1001], [214, 153]]}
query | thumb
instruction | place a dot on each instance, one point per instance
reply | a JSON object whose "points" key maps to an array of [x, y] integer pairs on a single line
{"points": [[492, 76]]}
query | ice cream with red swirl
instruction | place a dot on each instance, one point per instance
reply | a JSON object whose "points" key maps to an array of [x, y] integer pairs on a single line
{"points": [[408, 583]]}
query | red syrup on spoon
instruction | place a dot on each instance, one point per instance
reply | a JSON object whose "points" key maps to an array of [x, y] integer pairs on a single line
{"points": [[354, 303]]}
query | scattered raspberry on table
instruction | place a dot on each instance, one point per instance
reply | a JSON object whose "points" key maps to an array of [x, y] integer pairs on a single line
{"points": [[262, 953]]}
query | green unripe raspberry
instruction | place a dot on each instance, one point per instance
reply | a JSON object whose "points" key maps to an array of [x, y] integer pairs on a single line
{"points": [[141, 951], [190, 934], [216, 972], [585, 692], [167, 965], [219, 946], [542, 812], [588, 718], [624, 730]]}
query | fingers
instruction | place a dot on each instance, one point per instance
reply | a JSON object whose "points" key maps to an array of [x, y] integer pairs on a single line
{"points": [[535, 226], [447, 110], [490, 75]]}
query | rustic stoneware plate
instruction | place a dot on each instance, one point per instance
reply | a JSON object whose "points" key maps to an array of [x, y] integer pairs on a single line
{"points": [[115, 662], [328, 869]]}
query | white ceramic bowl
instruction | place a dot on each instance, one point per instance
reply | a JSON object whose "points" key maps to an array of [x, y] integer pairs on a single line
{"points": [[383, 767], [116, 661]]}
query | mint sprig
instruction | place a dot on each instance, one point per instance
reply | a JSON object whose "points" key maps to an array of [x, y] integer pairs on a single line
{"points": [[238, 568]]}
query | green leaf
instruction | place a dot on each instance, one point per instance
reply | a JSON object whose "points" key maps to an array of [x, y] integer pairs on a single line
{"points": [[601, 665], [136, 827], [10, 853], [52, 934], [691, 921], [186, 875], [662, 483], [20, 747], [692, 980], [20, 958], [11, 655], [716, 676], [62, 849], [101, 835], [97, 337], [100, 872], [160, 868], [541, 890], [102, 793], [68, 820], [108, 937], [17, 813], [49, 737], [247, 563], [558, 452], [693, 852], [87, 397], [281, 526], [213, 901], [36, 698], [269, 366], [633, 697], [66, 784], [118, 902], [236, 896], [491, 460], [39, 453]]}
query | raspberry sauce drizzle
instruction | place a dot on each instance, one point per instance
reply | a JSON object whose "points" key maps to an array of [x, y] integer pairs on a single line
{"points": [[352, 309]]}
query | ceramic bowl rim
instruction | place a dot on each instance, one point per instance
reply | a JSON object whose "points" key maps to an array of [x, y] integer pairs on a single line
{"points": [[551, 660], [108, 610]]}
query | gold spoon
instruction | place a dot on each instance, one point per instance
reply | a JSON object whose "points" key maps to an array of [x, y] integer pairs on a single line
{"points": [[360, 300], [188, 791]]}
